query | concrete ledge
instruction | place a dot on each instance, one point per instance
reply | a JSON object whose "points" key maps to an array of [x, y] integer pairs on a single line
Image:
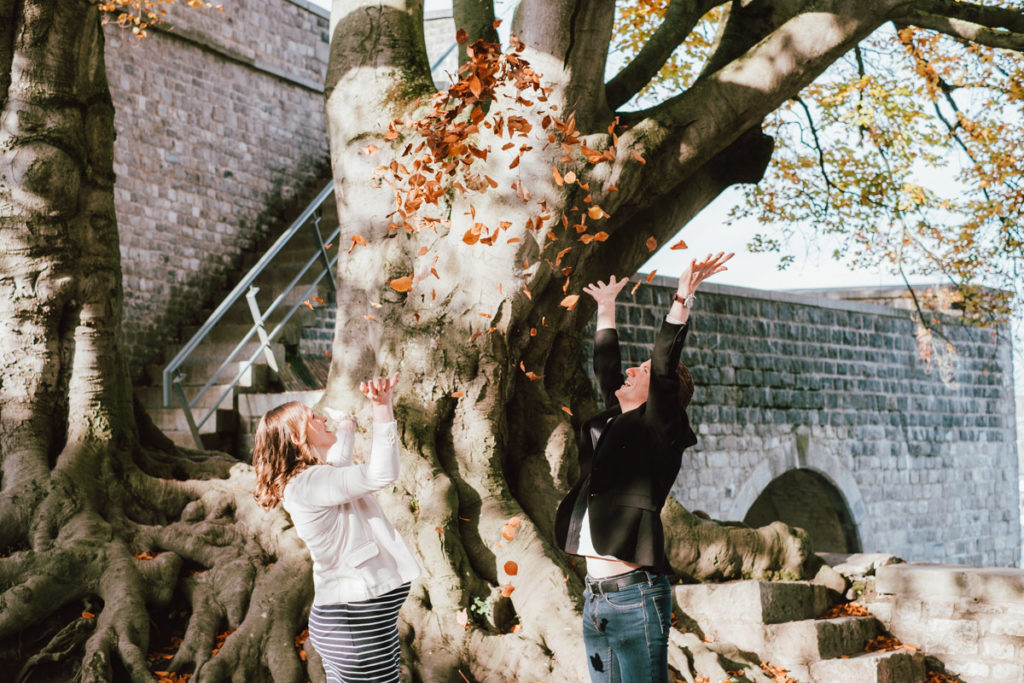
{"points": [[937, 581]]}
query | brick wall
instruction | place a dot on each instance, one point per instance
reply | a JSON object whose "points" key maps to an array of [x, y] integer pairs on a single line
{"points": [[927, 469], [220, 131]]}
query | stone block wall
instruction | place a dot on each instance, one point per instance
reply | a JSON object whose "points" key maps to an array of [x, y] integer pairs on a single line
{"points": [[927, 470], [971, 619], [220, 132]]}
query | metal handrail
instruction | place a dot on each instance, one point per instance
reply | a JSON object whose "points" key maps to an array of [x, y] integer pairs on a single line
{"points": [[172, 379]]}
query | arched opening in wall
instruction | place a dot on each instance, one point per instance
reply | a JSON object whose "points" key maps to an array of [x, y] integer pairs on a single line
{"points": [[805, 499]]}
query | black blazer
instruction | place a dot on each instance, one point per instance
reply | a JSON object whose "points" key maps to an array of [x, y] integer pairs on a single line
{"points": [[627, 474]]}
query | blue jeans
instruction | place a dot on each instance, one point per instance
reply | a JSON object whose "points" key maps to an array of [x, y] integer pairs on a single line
{"points": [[626, 632]]}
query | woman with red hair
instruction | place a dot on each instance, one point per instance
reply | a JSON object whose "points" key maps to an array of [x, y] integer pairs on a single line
{"points": [[361, 567]]}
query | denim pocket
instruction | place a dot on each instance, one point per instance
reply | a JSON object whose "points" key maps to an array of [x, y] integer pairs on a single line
{"points": [[627, 598]]}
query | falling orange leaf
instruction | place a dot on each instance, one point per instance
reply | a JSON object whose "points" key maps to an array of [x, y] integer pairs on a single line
{"points": [[601, 236], [566, 410], [507, 589], [511, 568], [458, 394], [422, 251], [679, 245], [595, 212], [401, 284], [508, 531], [356, 239], [652, 274], [635, 287], [569, 302], [636, 155], [533, 331], [370, 150], [651, 243], [439, 530], [370, 317], [306, 303], [88, 615], [318, 299]]}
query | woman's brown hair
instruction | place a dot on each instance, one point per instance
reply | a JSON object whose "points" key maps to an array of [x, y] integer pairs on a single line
{"points": [[281, 451]]}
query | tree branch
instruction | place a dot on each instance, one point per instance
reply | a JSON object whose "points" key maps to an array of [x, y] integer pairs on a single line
{"points": [[680, 18], [677, 136], [969, 30], [572, 37], [476, 18]]}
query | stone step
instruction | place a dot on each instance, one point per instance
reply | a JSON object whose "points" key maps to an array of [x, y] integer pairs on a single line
{"points": [[152, 396], [752, 602], [215, 441], [174, 420], [894, 666], [253, 406], [811, 640], [995, 585], [257, 377], [217, 351]]}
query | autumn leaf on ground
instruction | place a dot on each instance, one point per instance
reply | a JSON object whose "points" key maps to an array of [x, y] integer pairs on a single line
{"points": [[369, 317], [401, 284], [557, 175], [370, 150], [458, 394], [511, 568], [507, 589], [595, 212], [679, 245], [569, 302]]}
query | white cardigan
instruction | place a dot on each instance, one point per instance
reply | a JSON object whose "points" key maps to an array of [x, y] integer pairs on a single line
{"points": [[357, 553]]}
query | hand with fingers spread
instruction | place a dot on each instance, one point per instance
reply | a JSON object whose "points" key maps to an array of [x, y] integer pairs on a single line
{"points": [[604, 295], [698, 271], [379, 392]]}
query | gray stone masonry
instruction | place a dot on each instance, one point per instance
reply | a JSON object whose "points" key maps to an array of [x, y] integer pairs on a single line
{"points": [[971, 619], [928, 470], [220, 126]]}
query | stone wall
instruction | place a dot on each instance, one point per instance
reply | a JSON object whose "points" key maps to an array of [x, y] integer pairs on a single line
{"points": [[220, 133], [924, 469], [971, 619]]}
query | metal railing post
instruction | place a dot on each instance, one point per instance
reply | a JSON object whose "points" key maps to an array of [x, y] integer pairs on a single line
{"points": [[324, 258], [261, 331], [179, 393]]}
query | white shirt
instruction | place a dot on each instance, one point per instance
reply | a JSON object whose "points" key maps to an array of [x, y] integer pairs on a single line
{"points": [[357, 553]]}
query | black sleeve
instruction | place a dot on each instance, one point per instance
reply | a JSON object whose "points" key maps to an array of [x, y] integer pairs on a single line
{"points": [[662, 413], [608, 364]]}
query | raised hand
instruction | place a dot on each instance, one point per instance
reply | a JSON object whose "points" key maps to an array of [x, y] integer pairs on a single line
{"points": [[698, 271], [604, 294], [379, 390]]}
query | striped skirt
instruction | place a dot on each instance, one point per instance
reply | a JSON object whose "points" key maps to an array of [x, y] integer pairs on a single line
{"points": [[358, 641]]}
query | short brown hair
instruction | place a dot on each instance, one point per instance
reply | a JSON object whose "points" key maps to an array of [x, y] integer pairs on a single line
{"points": [[281, 451], [685, 386]]}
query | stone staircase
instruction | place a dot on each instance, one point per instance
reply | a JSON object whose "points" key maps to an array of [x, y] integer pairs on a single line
{"points": [[236, 405], [780, 622]]}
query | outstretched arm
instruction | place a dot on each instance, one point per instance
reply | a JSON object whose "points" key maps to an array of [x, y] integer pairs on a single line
{"points": [[691, 278], [604, 295]]}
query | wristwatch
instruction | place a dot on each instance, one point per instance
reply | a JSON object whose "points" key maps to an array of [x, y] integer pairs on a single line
{"points": [[687, 302]]}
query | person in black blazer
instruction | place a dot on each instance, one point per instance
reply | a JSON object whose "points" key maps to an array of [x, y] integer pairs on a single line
{"points": [[629, 457]]}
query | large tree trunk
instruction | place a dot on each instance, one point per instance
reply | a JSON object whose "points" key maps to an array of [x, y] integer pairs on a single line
{"points": [[492, 389], [104, 525]]}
